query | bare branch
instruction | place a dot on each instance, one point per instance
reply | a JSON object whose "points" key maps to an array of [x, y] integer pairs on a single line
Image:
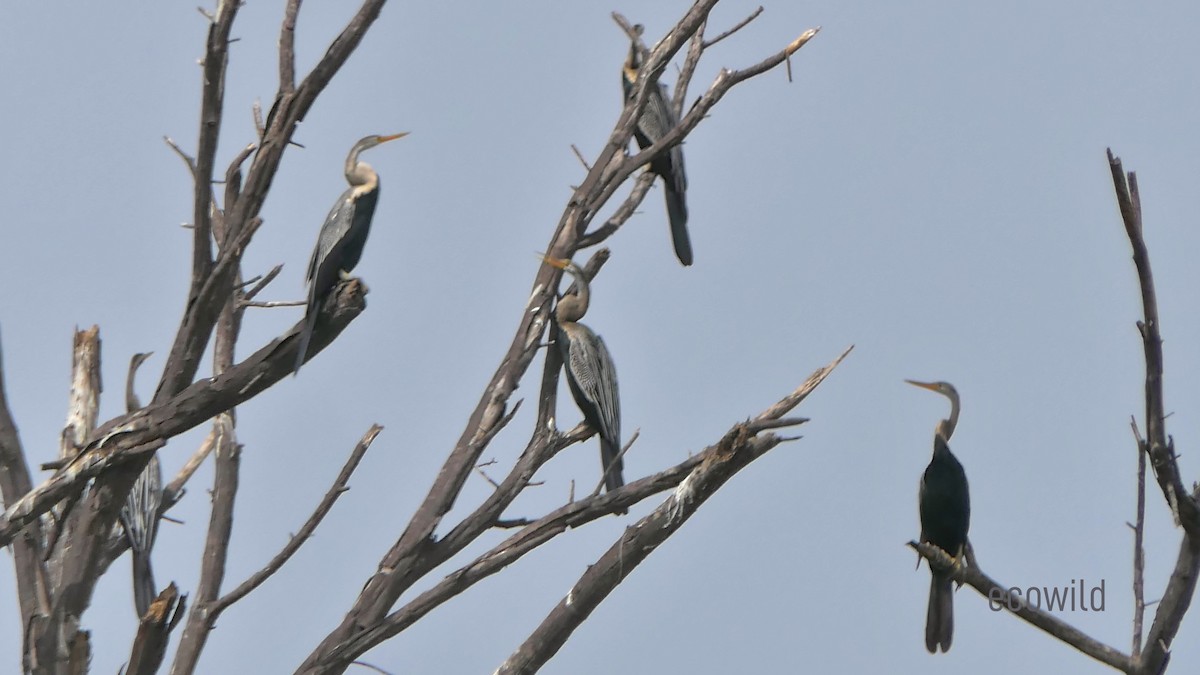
{"points": [[1139, 551], [287, 48], [1159, 445], [174, 490], [713, 461], [688, 71], [339, 487], [579, 156], [256, 114], [740, 25], [271, 304], [409, 556], [132, 436], [369, 666], [216, 546], [717, 465], [85, 392], [620, 455], [154, 632], [262, 283], [626, 210], [996, 593], [15, 483], [1171, 608], [233, 190], [188, 160]]}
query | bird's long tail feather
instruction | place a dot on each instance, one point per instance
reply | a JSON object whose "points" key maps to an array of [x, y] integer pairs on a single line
{"points": [[939, 620], [613, 466], [677, 215], [310, 322], [143, 582]]}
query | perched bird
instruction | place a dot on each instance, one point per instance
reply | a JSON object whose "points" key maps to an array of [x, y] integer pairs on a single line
{"points": [[139, 515], [590, 373], [343, 235], [656, 120], [945, 518]]}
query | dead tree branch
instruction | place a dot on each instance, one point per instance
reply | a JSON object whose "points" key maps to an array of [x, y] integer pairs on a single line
{"points": [[1139, 549], [130, 436], [411, 554], [27, 546], [1158, 445], [741, 445], [304, 533], [693, 479], [1015, 604], [154, 632]]}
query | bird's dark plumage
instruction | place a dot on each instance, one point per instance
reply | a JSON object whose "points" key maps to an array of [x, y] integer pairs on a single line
{"points": [[343, 236], [656, 120], [338, 250], [945, 506]]}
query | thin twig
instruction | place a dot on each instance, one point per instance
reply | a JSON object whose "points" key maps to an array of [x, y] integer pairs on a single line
{"points": [[15, 482], [256, 114], [740, 25], [716, 464], [1162, 454], [579, 156], [481, 472], [1139, 551], [287, 48], [619, 457], [271, 304], [688, 71], [188, 160], [306, 531], [998, 596], [262, 283], [174, 490], [375, 668]]}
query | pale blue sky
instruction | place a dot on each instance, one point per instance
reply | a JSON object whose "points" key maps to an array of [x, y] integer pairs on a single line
{"points": [[932, 188]]}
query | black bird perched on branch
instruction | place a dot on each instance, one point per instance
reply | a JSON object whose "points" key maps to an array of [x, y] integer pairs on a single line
{"points": [[590, 373], [343, 236], [945, 518], [656, 120]]}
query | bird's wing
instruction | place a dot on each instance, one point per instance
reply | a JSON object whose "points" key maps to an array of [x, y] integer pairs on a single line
{"points": [[658, 119], [592, 368], [140, 512], [337, 224]]}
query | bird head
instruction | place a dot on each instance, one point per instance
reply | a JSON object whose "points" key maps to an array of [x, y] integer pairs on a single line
{"points": [[944, 388]]}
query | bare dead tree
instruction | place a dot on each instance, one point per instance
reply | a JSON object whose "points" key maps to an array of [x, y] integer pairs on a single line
{"points": [[1158, 448], [64, 533]]}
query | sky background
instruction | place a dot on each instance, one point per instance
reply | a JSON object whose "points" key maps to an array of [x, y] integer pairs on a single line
{"points": [[931, 187]]}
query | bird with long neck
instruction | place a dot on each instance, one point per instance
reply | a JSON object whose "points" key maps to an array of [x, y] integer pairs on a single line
{"points": [[591, 375], [343, 236], [945, 507], [656, 120]]}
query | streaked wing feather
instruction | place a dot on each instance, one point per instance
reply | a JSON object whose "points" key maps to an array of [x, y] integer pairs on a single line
{"points": [[140, 513], [592, 367]]}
